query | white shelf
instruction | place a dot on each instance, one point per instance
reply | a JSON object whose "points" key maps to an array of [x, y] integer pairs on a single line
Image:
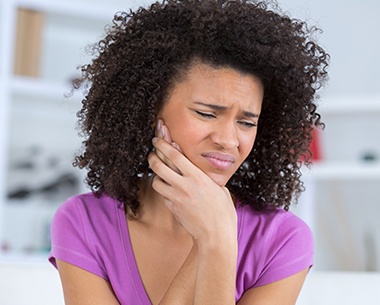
{"points": [[350, 105], [343, 171], [51, 89], [41, 88]]}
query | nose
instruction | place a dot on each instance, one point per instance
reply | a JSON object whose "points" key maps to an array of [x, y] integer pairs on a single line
{"points": [[225, 136]]}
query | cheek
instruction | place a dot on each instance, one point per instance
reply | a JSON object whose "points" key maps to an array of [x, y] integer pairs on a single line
{"points": [[186, 135], [246, 144], [179, 129]]}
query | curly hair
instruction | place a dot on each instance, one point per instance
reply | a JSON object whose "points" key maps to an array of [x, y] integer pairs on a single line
{"points": [[144, 53]]}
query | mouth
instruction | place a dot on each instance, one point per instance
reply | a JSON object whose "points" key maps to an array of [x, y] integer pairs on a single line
{"points": [[218, 160]]}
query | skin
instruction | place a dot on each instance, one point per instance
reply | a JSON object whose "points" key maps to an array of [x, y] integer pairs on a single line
{"points": [[214, 111], [187, 224]]}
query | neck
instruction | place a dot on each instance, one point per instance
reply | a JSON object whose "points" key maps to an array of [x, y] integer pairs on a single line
{"points": [[152, 211]]}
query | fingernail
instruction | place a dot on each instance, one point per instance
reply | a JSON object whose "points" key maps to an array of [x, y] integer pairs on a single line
{"points": [[159, 125], [175, 145], [166, 136], [162, 132], [154, 140]]}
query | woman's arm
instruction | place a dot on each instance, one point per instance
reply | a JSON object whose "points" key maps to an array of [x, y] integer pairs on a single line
{"points": [[216, 273], [201, 277], [81, 287], [201, 273], [181, 290], [207, 212], [283, 292], [215, 276]]}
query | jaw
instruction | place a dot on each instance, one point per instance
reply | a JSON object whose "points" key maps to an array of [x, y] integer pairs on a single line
{"points": [[220, 179]]}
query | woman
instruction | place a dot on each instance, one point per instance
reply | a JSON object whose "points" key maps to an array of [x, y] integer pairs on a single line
{"points": [[195, 120]]}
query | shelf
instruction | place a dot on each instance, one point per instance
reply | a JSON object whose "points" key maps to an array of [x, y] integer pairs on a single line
{"points": [[343, 171], [360, 104], [50, 89], [40, 88]]}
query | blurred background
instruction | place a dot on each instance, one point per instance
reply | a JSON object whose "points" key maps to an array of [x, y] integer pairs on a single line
{"points": [[43, 41]]}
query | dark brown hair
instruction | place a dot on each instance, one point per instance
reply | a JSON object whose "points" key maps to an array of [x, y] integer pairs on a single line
{"points": [[143, 54]]}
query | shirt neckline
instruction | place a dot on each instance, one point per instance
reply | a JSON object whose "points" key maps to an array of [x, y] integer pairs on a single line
{"points": [[129, 257], [128, 250]]}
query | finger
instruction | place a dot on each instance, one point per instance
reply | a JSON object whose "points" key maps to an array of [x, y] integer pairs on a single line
{"points": [[162, 132], [158, 133], [161, 169], [179, 160], [164, 188], [170, 206], [176, 146], [170, 194], [166, 134], [158, 127]]}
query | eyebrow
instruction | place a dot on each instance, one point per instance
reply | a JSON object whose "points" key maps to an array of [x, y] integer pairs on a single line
{"points": [[248, 114]]}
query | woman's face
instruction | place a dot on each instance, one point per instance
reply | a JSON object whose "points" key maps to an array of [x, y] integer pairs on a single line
{"points": [[213, 115]]}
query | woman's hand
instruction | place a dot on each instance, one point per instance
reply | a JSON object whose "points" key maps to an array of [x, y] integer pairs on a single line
{"points": [[163, 132], [207, 213], [204, 209]]}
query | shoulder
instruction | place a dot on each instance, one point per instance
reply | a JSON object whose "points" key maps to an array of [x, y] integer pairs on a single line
{"points": [[83, 229], [87, 206], [86, 217], [272, 246], [89, 200], [269, 224]]}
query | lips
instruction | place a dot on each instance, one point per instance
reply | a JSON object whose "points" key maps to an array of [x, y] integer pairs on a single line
{"points": [[219, 160]]}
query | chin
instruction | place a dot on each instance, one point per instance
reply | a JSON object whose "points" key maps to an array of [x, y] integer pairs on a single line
{"points": [[219, 179]]}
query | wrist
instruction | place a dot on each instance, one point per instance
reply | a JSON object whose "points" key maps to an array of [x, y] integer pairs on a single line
{"points": [[217, 246]]}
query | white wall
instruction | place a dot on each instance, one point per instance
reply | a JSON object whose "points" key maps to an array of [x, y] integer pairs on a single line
{"points": [[351, 31]]}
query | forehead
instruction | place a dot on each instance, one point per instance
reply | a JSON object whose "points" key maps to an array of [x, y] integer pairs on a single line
{"points": [[220, 85]]}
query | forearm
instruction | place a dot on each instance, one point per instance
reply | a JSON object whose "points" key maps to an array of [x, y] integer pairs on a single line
{"points": [[181, 290], [216, 274]]}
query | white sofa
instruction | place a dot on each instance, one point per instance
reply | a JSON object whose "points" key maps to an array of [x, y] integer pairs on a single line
{"points": [[39, 284]]}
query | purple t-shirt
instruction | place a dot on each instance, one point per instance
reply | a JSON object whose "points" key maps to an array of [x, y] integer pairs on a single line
{"points": [[92, 233]]}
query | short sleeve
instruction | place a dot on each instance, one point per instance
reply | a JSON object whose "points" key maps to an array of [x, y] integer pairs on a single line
{"points": [[290, 249], [70, 238]]}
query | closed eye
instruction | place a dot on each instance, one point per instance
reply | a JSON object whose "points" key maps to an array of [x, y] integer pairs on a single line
{"points": [[247, 124], [205, 114]]}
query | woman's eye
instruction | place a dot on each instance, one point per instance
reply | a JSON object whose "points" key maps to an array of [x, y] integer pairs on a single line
{"points": [[248, 124], [205, 114]]}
